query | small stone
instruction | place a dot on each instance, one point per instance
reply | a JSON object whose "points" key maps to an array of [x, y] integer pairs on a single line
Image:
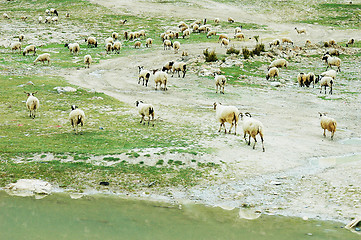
{"points": [[305, 218], [309, 234], [358, 229]]}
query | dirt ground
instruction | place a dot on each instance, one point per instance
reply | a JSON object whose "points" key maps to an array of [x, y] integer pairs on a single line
{"points": [[300, 173]]}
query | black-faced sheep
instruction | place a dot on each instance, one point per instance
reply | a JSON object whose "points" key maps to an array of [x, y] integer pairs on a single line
{"points": [[21, 37], [176, 46], [148, 42], [225, 42], [332, 61], [47, 19], [167, 44], [211, 33], [299, 31], [143, 74], [115, 35], [117, 46], [168, 66], [145, 110], [108, 47], [329, 124], [179, 67], [160, 78], [252, 127], [28, 49], [217, 20], [220, 81], [273, 73], [326, 82], [54, 19], [45, 57], [186, 33], [350, 42], [32, 103], [230, 20], [15, 46], [74, 48], [54, 11], [91, 41], [225, 114], [88, 60], [76, 117]]}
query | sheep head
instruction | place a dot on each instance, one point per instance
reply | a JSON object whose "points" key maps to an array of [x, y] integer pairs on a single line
{"points": [[73, 107]]}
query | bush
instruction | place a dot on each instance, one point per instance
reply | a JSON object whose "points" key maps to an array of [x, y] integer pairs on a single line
{"points": [[258, 49], [246, 53], [210, 56], [232, 50]]}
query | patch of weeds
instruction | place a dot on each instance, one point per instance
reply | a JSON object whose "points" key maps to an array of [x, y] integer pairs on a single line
{"points": [[80, 157], [132, 154], [160, 162], [178, 163], [147, 155], [232, 50], [246, 53], [170, 161], [258, 49], [141, 162], [43, 156], [193, 160], [111, 159], [210, 56]]}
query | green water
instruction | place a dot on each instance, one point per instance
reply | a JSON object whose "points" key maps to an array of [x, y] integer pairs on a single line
{"points": [[98, 217]]}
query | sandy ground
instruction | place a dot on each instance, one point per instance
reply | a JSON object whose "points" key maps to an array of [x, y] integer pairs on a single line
{"points": [[300, 174]]}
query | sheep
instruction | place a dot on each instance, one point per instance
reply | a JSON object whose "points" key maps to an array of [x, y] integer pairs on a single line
{"points": [[30, 48], [275, 42], [21, 37], [23, 18], [6, 16], [326, 82], [148, 42], [225, 114], [308, 42], [143, 74], [40, 19], [279, 63], [176, 46], [328, 123], [252, 127], [195, 28], [126, 35], [350, 42], [47, 12], [145, 110], [109, 40], [182, 24], [332, 61], [43, 58], [332, 42], [55, 19], [306, 79], [117, 46], [222, 36], [142, 33], [333, 52], [239, 36], [168, 66], [122, 22], [211, 33], [217, 20], [16, 46], [182, 29], [167, 44], [76, 117], [54, 11], [184, 53], [47, 19], [287, 40], [161, 79], [224, 42], [67, 15], [237, 30], [91, 41], [74, 48], [300, 31], [203, 28], [220, 81], [186, 33], [115, 35], [330, 73], [137, 44], [230, 20], [108, 47], [179, 66], [88, 60], [32, 103], [273, 72]]}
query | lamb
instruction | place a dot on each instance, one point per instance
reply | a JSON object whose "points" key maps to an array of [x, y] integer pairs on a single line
{"points": [[350, 42], [91, 41], [30, 48], [224, 42], [117, 46], [230, 20], [279, 63], [300, 31], [179, 66], [108, 47], [161, 79], [287, 40], [275, 42], [54, 11], [115, 35], [16, 46], [145, 110], [32, 103], [43, 58], [74, 48], [88, 60], [148, 42], [332, 61], [167, 44], [326, 82], [306, 79], [143, 74], [328, 123], [220, 81], [168, 66], [273, 73], [225, 114], [239, 36], [176, 46], [330, 73], [21, 37], [137, 44], [252, 127], [211, 33], [76, 117]]}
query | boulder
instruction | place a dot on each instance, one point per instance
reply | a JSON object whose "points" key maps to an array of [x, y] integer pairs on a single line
{"points": [[28, 187]]}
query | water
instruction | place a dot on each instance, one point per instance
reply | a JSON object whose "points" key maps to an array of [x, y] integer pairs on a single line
{"points": [[98, 217]]}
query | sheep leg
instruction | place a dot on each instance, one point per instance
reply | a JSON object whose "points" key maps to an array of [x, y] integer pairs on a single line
{"points": [[255, 141], [141, 120], [330, 90], [216, 88], [262, 142], [222, 90], [184, 74], [324, 132], [332, 133], [249, 140], [230, 128]]}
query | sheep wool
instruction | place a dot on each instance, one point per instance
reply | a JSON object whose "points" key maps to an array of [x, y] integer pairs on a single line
{"points": [[145, 110], [252, 127], [88, 60], [161, 78], [45, 57], [76, 117], [227, 114], [32, 103], [220, 81], [329, 124]]}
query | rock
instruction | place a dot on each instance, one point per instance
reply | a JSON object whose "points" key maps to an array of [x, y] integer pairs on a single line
{"points": [[250, 214], [65, 89], [28, 187], [275, 84]]}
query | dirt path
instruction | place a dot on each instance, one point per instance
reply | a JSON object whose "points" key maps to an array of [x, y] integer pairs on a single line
{"points": [[289, 178]]}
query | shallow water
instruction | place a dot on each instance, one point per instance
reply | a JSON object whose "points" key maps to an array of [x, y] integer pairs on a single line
{"points": [[98, 217]]}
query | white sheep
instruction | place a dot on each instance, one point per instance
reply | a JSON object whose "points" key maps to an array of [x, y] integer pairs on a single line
{"points": [[21, 37], [76, 117], [176, 46], [224, 42], [220, 81], [329, 124], [54, 19], [40, 19], [204, 28], [211, 33], [143, 74], [326, 82], [117, 46], [148, 42], [145, 110], [115, 35], [67, 15], [142, 33], [230, 20], [333, 52], [167, 44], [225, 114], [275, 42], [179, 67], [43, 58], [30, 48], [299, 31], [168, 66], [109, 40], [217, 20], [32, 103], [160, 78], [15, 46], [137, 44], [287, 40], [330, 73], [252, 127], [54, 11], [108, 47], [186, 33], [47, 12], [74, 48], [237, 30], [279, 63], [91, 41], [6, 16], [273, 72], [48, 19], [332, 61], [88, 60]]}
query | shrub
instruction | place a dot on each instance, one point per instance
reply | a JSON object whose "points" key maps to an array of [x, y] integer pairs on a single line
{"points": [[232, 50], [210, 56], [258, 49], [246, 53]]}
